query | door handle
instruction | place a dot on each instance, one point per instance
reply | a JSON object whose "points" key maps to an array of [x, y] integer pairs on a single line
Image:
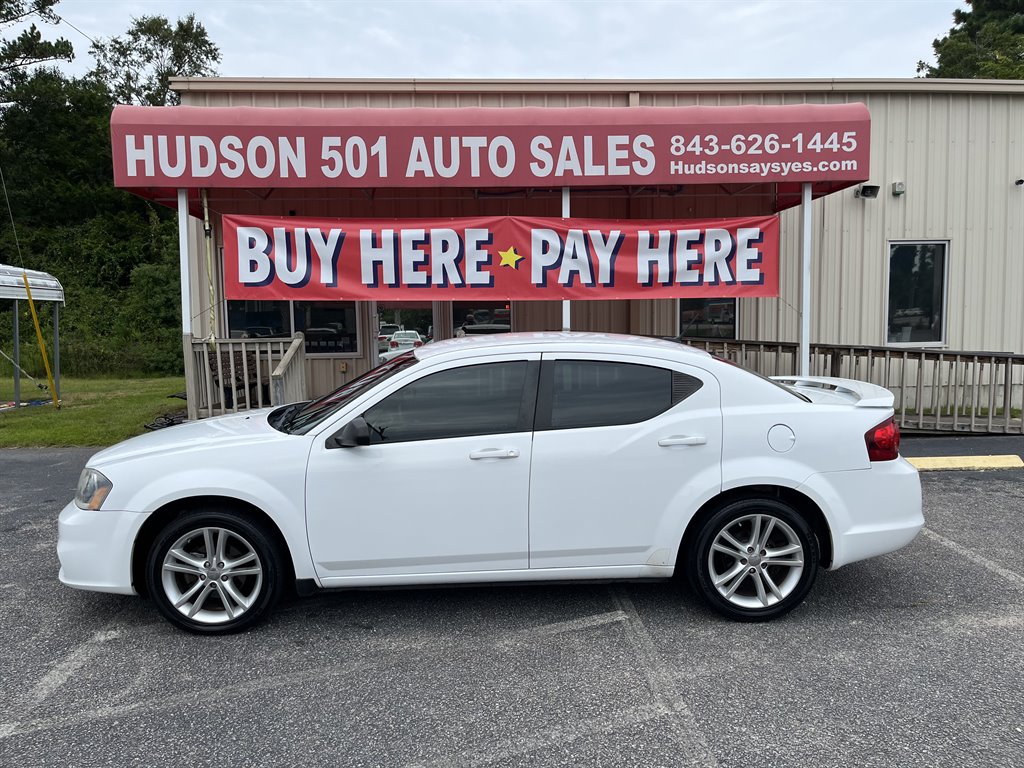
{"points": [[665, 442], [495, 453]]}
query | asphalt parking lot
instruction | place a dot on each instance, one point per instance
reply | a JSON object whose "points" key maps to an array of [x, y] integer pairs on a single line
{"points": [[913, 659]]}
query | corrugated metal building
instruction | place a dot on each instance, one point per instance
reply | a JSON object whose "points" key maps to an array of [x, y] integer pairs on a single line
{"points": [[935, 259]]}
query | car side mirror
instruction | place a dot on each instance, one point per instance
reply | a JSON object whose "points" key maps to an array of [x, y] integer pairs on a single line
{"points": [[352, 435]]}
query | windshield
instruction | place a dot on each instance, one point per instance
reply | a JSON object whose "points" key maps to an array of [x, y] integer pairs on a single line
{"points": [[308, 415]]}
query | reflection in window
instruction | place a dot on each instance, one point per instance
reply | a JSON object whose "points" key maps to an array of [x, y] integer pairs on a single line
{"points": [[470, 318], [916, 281], [707, 318], [258, 319], [471, 400], [329, 326]]}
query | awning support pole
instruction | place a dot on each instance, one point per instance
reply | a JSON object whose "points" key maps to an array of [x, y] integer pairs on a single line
{"points": [[566, 307], [805, 283], [56, 346], [17, 359], [186, 297]]}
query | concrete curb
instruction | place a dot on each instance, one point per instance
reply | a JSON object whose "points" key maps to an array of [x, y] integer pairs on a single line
{"points": [[927, 463]]}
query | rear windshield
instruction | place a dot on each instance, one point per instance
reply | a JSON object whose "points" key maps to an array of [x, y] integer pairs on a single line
{"points": [[304, 417], [774, 383]]}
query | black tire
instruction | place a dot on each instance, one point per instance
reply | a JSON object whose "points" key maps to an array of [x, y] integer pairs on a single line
{"points": [[746, 603], [218, 613]]}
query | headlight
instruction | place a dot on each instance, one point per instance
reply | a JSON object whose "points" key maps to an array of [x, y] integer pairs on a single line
{"points": [[93, 488]]}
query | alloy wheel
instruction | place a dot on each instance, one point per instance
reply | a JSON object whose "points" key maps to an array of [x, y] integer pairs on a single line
{"points": [[756, 561], [212, 575]]}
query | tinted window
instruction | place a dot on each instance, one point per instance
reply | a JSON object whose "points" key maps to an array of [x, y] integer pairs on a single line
{"points": [[588, 393], [473, 400], [301, 420], [916, 286]]}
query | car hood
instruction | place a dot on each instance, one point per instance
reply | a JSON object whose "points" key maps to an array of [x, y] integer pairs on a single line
{"points": [[206, 434]]}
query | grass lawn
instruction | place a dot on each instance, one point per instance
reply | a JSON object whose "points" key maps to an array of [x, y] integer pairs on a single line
{"points": [[94, 411]]}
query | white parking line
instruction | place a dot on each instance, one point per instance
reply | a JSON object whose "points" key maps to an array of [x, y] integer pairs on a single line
{"points": [[74, 661], [1011, 576], [662, 683], [560, 735], [212, 696], [575, 624]]}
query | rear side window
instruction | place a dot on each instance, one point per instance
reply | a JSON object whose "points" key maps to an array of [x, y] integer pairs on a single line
{"points": [[474, 400], [592, 393]]}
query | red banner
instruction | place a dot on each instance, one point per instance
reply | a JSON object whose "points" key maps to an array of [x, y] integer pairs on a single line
{"points": [[495, 258], [254, 147]]}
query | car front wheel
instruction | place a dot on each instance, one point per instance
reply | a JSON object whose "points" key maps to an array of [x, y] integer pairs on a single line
{"points": [[754, 559], [214, 572]]}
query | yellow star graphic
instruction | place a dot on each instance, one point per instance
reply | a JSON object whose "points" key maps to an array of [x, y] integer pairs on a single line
{"points": [[509, 258]]}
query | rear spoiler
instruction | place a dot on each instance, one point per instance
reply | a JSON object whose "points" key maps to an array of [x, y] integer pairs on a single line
{"points": [[828, 390]]}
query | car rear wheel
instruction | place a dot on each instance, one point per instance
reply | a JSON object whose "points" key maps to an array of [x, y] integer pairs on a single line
{"points": [[754, 559], [214, 572]]}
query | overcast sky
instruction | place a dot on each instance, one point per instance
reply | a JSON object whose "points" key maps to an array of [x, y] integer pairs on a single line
{"points": [[522, 38]]}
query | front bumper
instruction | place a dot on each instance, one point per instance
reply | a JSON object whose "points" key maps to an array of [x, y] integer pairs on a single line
{"points": [[870, 511], [95, 548]]}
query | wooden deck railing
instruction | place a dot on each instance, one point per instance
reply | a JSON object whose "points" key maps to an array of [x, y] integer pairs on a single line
{"points": [[935, 390], [232, 375]]}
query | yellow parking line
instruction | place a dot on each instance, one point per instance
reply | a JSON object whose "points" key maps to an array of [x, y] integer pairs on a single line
{"points": [[967, 462]]}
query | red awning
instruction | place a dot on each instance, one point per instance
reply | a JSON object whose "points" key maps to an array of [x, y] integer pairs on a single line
{"points": [[159, 149]]}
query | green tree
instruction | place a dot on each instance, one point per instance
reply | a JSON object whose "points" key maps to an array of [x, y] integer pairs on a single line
{"points": [[986, 41], [138, 66], [115, 253], [29, 47]]}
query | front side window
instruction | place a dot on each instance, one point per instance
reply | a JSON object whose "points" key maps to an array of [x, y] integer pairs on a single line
{"points": [[589, 393], [917, 274], [707, 318], [473, 400]]}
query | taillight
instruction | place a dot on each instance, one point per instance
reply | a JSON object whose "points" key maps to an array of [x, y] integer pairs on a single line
{"points": [[394, 345], [382, 338], [883, 441], [417, 343]]}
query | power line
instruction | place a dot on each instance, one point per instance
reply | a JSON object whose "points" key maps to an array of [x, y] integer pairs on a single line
{"points": [[63, 20], [10, 212]]}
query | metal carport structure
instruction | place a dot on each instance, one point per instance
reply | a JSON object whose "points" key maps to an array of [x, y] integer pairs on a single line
{"points": [[44, 287]]}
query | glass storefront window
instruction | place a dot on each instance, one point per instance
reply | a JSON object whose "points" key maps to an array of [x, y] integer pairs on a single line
{"points": [[258, 319], [329, 326], [476, 317], [707, 318], [917, 274]]}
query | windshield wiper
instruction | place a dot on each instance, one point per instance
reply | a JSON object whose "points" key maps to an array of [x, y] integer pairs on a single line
{"points": [[283, 419]]}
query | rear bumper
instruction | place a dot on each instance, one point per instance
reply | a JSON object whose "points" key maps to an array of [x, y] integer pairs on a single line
{"points": [[95, 548], [870, 511]]}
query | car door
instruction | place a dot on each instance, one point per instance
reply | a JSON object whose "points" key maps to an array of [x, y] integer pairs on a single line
{"points": [[443, 486], [623, 446]]}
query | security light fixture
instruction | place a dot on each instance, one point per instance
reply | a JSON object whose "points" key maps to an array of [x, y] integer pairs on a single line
{"points": [[867, 191], [899, 188], [1019, 182]]}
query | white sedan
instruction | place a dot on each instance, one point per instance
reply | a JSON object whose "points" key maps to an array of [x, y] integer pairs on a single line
{"points": [[401, 341], [523, 457]]}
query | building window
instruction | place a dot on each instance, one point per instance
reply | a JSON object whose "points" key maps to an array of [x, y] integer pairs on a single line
{"points": [[330, 327], [475, 317], [258, 319], [707, 318], [917, 281]]}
